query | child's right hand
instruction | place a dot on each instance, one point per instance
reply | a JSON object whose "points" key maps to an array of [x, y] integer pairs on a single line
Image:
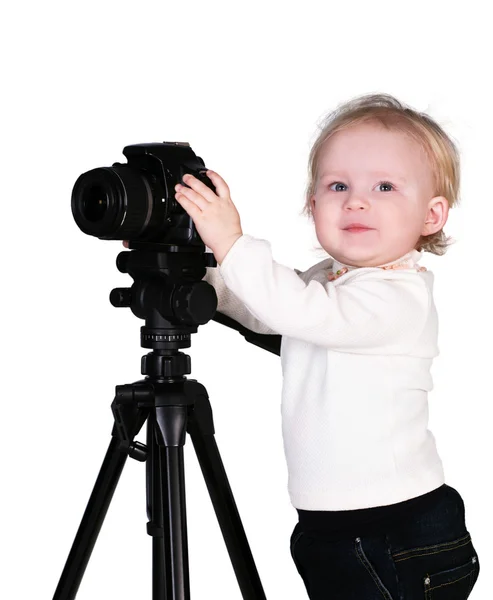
{"points": [[125, 243]]}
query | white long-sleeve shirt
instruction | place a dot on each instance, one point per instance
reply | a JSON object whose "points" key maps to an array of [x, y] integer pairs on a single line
{"points": [[356, 355]]}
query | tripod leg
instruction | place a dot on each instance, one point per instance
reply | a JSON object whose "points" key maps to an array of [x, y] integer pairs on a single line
{"points": [[201, 430], [155, 514], [91, 522], [171, 423]]}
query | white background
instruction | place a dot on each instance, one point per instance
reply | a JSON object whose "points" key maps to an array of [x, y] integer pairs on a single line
{"points": [[246, 85]]}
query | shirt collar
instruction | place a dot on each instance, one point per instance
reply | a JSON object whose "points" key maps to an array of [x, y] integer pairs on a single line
{"points": [[407, 261]]}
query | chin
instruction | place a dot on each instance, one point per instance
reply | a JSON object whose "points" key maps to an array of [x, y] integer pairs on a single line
{"points": [[355, 257]]}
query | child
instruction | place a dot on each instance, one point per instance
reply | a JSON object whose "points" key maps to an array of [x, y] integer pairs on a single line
{"points": [[359, 334]]}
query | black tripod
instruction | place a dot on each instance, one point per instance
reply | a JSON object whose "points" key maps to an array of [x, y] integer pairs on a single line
{"points": [[168, 292]]}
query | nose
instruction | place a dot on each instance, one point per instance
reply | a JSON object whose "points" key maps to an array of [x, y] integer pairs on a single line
{"points": [[355, 201]]}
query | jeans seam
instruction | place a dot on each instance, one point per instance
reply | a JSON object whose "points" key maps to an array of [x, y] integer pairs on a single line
{"points": [[471, 583], [366, 563], [430, 553], [389, 551], [454, 543]]}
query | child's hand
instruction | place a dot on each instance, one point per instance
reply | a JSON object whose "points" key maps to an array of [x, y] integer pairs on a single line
{"points": [[214, 215]]}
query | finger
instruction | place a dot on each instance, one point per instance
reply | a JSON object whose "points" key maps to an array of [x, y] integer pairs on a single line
{"points": [[193, 196], [222, 188], [191, 208], [200, 187], [125, 243]]}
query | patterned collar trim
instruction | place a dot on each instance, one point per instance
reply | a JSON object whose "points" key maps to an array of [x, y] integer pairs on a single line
{"points": [[408, 261]]}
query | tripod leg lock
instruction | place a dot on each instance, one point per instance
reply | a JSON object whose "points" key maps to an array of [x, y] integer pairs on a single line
{"points": [[154, 530], [130, 412], [138, 451]]}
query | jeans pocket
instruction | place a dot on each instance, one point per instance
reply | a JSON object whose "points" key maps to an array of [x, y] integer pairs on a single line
{"points": [[443, 571], [452, 584]]}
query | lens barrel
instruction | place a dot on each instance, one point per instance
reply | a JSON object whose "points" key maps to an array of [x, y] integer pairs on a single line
{"points": [[112, 203]]}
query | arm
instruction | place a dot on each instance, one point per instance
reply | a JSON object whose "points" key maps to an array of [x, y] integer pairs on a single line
{"points": [[231, 306], [372, 310]]}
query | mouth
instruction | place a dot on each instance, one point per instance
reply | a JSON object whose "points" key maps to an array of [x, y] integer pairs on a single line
{"points": [[358, 229]]}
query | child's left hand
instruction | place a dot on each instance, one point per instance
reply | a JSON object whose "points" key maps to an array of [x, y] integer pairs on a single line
{"points": [[214, 215]]}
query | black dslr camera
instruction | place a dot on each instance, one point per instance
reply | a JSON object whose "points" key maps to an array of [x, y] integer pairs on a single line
{"points": [[136, 201]]}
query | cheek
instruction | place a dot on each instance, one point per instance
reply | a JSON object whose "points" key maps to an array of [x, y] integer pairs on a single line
{"points": [[322, 207], [323, 216], [394, 213], [404, 215], [326, 225]]}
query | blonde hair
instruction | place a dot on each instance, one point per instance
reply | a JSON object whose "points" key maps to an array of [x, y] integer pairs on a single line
{"points": [[386, 110]]}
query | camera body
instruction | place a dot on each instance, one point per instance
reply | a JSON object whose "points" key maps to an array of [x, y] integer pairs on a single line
{"points": [[136, 201]]}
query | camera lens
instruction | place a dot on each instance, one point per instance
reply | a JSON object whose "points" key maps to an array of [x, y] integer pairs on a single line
{"points": [[114, 203], [94, 203]]}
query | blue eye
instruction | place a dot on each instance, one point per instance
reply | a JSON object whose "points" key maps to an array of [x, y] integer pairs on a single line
{"points": [[336, 183], [339, 183]]}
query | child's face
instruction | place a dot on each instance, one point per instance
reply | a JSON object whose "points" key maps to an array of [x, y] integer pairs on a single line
{"points": [[361, 158]]}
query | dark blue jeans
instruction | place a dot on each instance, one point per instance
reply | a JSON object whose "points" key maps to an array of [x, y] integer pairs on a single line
{"points": [[427, 556]]}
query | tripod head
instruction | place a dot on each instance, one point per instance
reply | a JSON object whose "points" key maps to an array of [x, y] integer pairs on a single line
{"points": [[169, 294]]}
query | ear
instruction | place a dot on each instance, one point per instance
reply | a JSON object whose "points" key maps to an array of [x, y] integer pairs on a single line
{"points": [[312, 203], [436, 216]]}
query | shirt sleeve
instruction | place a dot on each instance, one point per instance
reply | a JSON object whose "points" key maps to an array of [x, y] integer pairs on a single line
{"points": [[375, 311], [230, 305]]}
